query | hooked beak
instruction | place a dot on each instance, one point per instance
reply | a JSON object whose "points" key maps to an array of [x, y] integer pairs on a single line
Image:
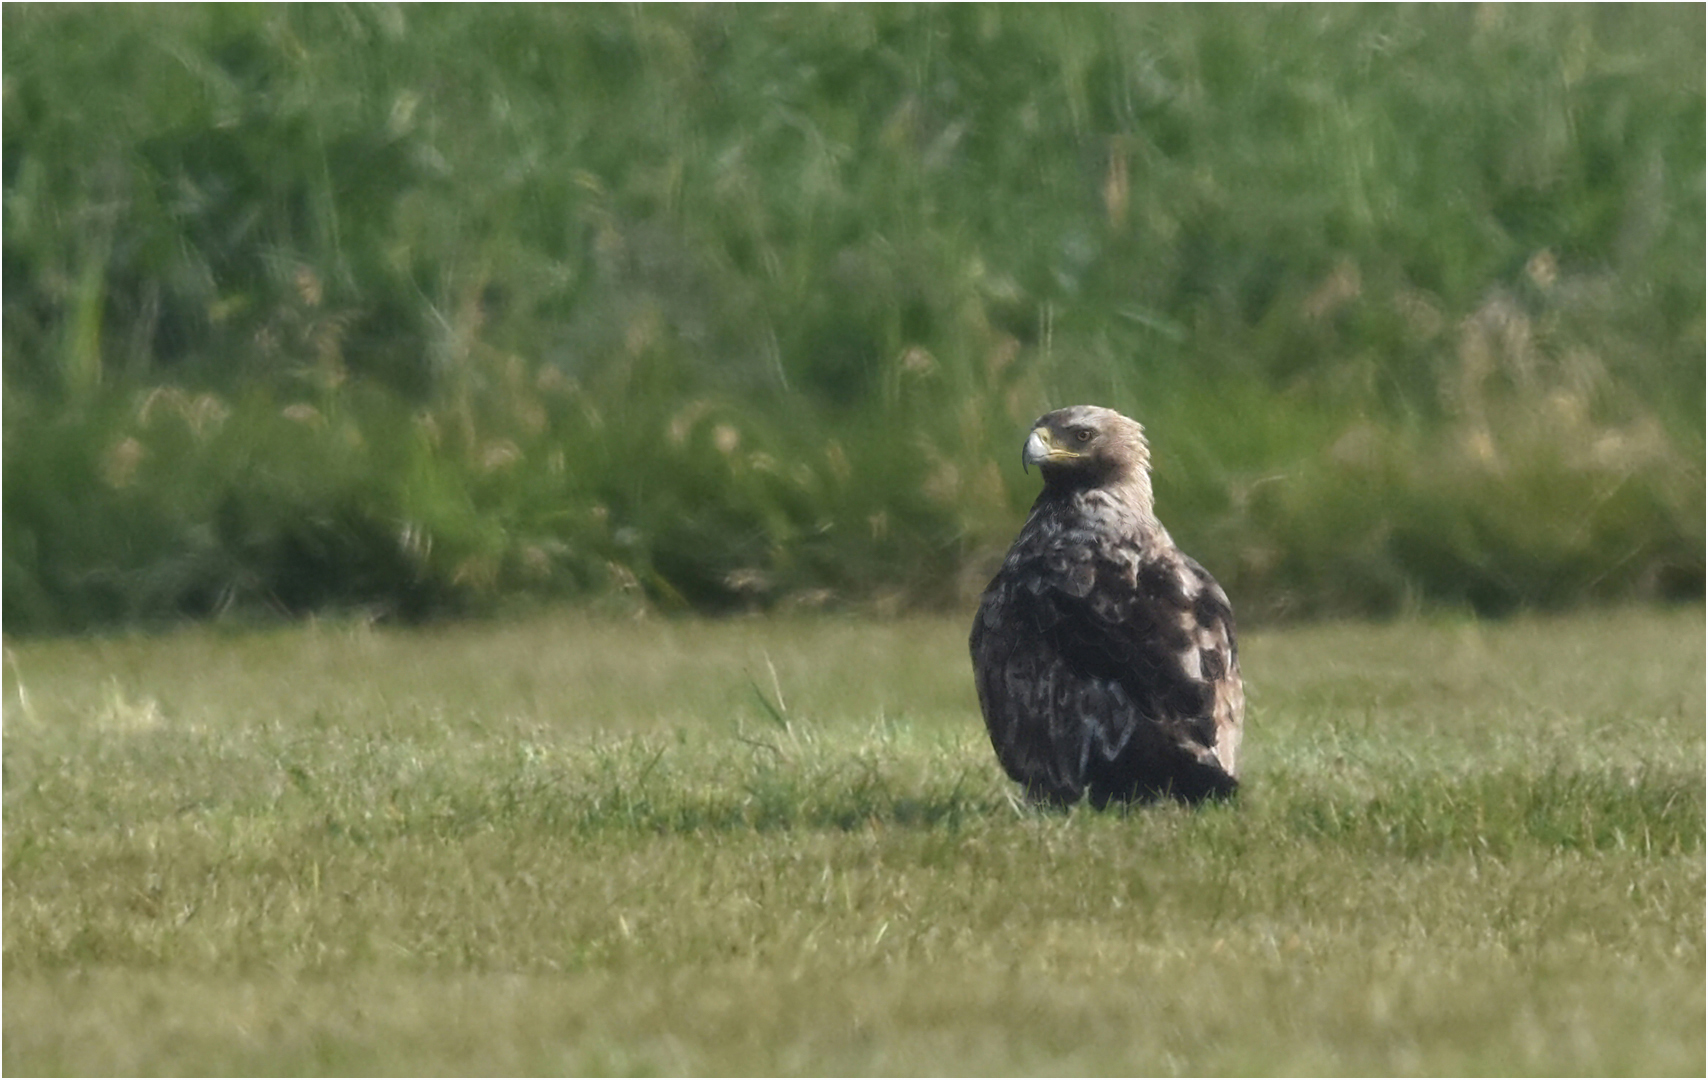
{"points": [[1041, 448]]}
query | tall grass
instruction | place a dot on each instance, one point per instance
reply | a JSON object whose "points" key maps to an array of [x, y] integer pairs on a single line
{"points": [[416, 309]]}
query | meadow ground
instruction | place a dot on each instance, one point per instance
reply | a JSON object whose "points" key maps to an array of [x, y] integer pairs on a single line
{"points": [[571, 845]]}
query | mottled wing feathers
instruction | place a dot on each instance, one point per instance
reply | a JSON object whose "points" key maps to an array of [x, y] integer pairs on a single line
{"points": [[1106, 666]]}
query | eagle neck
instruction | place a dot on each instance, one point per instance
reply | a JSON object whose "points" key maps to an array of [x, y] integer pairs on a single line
{"points": [[1125, 504]]}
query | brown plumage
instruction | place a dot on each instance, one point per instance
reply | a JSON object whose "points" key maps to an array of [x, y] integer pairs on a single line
{"points": [[1104, 656]]}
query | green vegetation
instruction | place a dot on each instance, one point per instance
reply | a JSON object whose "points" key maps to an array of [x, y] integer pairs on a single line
{"points": [[416, 310], [582, 845]]}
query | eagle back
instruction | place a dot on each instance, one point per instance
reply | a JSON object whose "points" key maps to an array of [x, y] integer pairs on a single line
{"points": [[1105, 657]]}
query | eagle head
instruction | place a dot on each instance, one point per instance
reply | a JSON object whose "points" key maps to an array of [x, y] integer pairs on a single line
{"points": [[1088, 446]]}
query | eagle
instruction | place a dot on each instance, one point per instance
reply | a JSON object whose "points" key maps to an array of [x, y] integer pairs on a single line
{"points": [[1104, 655]]}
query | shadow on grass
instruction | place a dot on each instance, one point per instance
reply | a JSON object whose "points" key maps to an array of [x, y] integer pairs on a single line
{"points": [[1652, 811], [687, 789]]}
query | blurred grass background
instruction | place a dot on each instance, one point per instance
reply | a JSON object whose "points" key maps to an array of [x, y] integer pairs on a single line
{"points": [[425, 310]]}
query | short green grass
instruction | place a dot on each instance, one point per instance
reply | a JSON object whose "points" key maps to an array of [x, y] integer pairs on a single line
{"points": [[574, 845]]}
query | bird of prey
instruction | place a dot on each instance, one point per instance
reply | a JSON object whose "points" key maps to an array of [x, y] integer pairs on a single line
{"points": [[1104, 655]]}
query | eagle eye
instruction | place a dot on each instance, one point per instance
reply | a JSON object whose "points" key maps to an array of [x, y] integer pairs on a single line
{"points": [[1083, 435]]}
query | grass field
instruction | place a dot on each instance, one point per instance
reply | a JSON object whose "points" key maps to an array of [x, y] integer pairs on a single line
{"points": [[570, 845]]}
